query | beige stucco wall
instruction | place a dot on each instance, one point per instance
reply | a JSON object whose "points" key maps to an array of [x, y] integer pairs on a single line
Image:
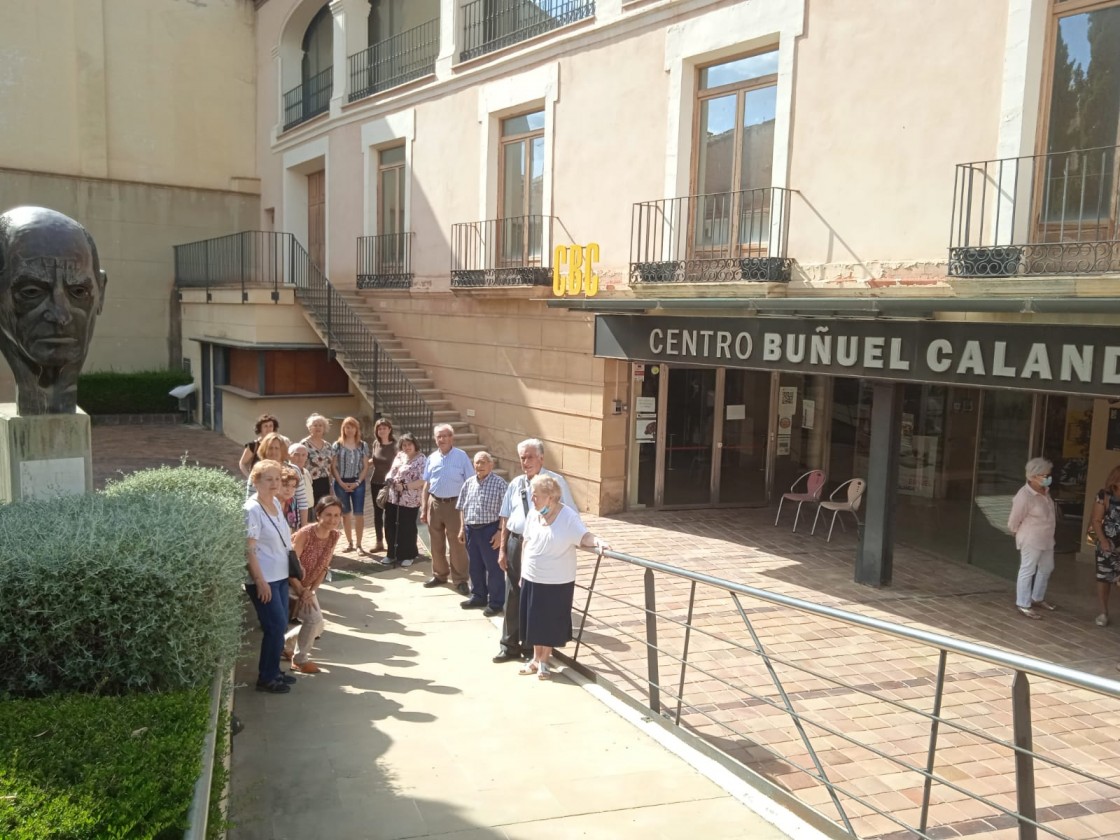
{"points": [[135, 227], [240, 413], [156, 91], [889, 97]]}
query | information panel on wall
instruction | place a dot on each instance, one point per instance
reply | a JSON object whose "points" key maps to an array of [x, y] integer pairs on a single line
{"points": [[1063, 358]]}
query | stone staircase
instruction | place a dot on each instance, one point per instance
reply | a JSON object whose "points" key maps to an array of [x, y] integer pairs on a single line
{"points": [[358, 368]]}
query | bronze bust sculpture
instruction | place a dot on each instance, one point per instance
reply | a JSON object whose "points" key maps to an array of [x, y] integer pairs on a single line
{"points": [[52, 289]]}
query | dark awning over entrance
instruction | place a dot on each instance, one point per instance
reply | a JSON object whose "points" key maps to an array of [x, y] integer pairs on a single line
{"points": [[1064, 358]]}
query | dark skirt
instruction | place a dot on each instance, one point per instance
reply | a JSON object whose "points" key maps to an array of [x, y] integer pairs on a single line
{"points": [[546, 613]]}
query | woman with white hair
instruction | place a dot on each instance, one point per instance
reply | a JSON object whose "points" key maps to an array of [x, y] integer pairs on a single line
{"points": [[1032, 521], [553, 532]]}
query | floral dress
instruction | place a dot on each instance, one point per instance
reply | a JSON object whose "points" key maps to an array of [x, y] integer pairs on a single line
{"points": [[1108, 564], [407, 472], [318, 460]]}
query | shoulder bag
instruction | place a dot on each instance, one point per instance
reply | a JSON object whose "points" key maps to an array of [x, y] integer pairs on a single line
{"points": [[295, 568]]}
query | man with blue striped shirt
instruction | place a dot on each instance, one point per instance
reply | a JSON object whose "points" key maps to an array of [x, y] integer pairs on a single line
{"points": [[447, 470], [515, 508], [480, 503]]}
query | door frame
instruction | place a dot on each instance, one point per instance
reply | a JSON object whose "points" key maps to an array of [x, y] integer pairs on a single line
{"points": [[717, 440]]}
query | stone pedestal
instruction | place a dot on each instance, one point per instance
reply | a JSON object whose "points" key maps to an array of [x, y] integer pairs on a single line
{"points": [[44, 455]]}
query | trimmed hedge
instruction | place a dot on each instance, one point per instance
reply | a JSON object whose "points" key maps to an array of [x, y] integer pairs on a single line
{"points": [[77, 767], [134, 588], [135, 392]]}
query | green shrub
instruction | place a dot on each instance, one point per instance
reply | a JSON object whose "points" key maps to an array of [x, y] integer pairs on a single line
{"points": [[136, 392], [136, 588], [75, 767]]}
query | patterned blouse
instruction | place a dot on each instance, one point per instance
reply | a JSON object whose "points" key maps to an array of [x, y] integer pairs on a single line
{"points": [[351, 462], [317, 553], [318, 460], [408, 472]]}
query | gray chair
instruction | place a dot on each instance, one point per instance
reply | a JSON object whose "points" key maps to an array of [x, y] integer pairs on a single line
{"points": [[851, 493]]}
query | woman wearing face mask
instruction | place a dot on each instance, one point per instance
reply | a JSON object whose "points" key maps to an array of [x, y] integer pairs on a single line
{"points": [[1106, 524], [1032, 521]]}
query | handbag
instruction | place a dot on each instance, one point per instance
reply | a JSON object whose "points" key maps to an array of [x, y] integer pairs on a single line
{"points": [[295, 568], [382, 497]]}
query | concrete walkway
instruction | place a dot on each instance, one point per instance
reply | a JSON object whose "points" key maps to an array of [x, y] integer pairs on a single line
{"points": [[411, 731]]}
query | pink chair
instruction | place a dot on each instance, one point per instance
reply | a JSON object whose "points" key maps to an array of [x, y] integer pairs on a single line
{"points": [[814, 484], [853, 489]]}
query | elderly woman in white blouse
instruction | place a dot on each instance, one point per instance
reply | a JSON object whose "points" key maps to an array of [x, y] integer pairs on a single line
{"points": [[1032, 521], [553, 532]]}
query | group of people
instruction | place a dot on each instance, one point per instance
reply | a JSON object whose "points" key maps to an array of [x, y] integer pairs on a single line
{"points": [[1033, 520], [509, 548]]}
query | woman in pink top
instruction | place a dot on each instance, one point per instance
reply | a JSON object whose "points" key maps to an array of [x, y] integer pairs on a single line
{"points": [[1032, 521], [315, 546]]}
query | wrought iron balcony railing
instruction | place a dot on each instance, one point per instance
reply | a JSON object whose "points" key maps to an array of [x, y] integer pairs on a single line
{"points": [[308, 99], [489, 25], [718, 237], [1043, 214], [515, 251], [398, 59], [385, 261], [250, 259]]}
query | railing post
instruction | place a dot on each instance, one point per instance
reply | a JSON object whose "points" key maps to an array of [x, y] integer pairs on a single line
{"points": [[206, 264], [939, 692], [244, 294], [1024, 759], [651, 645]]}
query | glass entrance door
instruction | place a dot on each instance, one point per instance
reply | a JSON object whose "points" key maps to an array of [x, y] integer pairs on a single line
{"points": [[690, 410], [715, 438]]}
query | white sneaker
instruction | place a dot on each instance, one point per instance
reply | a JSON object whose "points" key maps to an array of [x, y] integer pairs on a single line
{"points": [[1101, 620], [407, 562]]}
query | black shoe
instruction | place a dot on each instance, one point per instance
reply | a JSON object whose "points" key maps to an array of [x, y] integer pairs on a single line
{"points": [[490, 612], [462, 589], [275, 687], [472, 604], [288, 679], [526, 656], [433, 582], [505, 656]]}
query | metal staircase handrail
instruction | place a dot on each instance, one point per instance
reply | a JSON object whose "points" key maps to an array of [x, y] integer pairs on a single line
{"points": [[343, 329]]}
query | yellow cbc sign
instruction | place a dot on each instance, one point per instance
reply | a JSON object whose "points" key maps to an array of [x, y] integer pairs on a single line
{"points": [[581, 277]]}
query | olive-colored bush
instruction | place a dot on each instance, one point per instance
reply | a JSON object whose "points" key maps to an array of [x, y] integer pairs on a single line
{"points": [[134, 588]]}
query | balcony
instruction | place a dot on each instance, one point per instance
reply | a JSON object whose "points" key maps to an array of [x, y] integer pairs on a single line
{"points": [[385, 261], [513, 251], [397, 60], [246, 260], [490, 25], [308, 100], [1053, 214], [714, 238]]}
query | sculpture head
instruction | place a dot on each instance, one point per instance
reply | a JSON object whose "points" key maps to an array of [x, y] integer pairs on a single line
{"points": [[52, 289]]}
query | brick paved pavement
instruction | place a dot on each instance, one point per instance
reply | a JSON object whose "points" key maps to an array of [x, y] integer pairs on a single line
{"points": [[743, 546], [928, 592]]}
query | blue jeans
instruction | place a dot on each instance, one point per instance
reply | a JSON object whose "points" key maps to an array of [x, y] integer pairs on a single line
{"points": [[488, 581], [273, 617], [353, 501]]}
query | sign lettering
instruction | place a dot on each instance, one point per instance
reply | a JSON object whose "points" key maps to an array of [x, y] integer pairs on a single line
{"points": [[581, 277]]}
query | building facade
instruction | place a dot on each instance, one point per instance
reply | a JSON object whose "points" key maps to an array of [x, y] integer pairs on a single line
{"points": [[701, 248]]}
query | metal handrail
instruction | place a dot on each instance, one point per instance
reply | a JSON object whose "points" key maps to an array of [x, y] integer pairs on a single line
{"points": [[1021, 745], [391, 391], [249, 259], [398, 59]]}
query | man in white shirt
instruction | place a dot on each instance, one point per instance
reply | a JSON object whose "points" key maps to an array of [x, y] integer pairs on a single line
{"points": [[515, 506]]}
